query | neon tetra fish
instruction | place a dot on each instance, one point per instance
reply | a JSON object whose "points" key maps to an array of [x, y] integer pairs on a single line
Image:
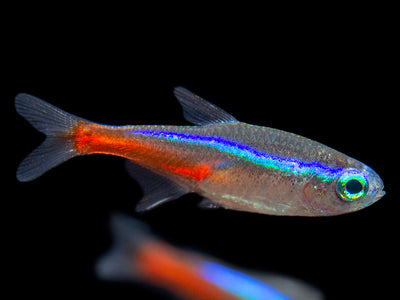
{"points": [[232, 164], [139, 256]]}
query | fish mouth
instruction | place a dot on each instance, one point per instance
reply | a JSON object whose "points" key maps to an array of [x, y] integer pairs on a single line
{"points": [[380, 194], [376, 191]]}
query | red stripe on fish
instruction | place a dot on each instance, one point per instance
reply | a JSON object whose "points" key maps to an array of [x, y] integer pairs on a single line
{"points": [[166, 266], [197, 172], [93, 138]]}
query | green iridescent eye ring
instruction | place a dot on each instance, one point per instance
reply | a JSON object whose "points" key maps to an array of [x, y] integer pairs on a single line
{"points": [[351, 186]]}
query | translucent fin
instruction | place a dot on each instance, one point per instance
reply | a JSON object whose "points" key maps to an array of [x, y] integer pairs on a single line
{"points": [[206, 203], [53, 122], [48, 155], [128, 234], [199, 111], [156, 189]]}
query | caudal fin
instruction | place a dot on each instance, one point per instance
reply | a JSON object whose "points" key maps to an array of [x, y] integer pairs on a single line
{"points": [[56, 124], [128, 235]]}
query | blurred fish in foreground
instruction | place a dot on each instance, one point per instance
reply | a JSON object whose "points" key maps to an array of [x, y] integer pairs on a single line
{"points": [[139, 256]]}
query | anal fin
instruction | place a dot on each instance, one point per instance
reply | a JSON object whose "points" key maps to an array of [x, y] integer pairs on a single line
{"points": [[156, 188]]}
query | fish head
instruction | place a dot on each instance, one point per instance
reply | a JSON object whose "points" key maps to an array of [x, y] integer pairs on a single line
{"points": [[352, 188]]}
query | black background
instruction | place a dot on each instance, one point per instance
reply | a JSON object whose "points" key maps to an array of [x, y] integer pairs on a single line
{"points": [[325, 76]]}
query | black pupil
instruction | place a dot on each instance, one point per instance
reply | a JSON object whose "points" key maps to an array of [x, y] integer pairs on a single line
{"points": [[353, 186]]}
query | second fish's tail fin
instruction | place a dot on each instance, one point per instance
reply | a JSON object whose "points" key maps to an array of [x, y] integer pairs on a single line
{"points": [[128, 235], [58, 145]]}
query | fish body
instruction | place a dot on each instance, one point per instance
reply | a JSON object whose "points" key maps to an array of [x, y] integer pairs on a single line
{"points": [[232, 164], [137, 255]]}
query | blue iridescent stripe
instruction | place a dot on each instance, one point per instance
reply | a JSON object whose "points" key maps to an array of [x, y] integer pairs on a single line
{"points": [[287, 165], [239, 284]]}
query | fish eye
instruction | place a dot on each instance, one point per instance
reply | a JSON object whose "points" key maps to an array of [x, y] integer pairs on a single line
{"points": [[351, 187]]}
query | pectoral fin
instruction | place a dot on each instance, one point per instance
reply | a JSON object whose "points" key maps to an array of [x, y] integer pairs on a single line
{"points": [[206, 203]]}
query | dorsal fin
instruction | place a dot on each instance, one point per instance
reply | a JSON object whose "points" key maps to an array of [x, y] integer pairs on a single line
{"points": [[199, 111]]}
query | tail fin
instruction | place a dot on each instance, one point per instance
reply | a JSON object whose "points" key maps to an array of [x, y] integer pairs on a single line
{"points": [[53, 122], [128, 235]]}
